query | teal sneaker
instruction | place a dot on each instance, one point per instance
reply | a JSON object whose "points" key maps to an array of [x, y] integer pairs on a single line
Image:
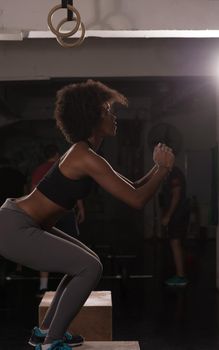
{"points": [[38, 337], [56, 345], [176, 281]]}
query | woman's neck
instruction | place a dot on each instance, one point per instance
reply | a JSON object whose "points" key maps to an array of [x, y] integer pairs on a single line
{"points": [[95, 142]]}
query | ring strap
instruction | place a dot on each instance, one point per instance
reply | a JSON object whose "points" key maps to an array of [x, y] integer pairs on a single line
{"points": [[65, 4]]}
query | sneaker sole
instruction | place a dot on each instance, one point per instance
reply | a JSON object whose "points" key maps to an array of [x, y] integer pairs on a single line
{"points": [[72, 345], [176, 285]]}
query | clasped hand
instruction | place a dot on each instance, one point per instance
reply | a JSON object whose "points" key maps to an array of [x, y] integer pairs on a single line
{"points": [[163, 156]]}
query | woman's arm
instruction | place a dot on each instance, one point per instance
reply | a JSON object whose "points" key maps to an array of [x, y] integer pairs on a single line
{"points": [[141, 181], [153, 170], [101, 171], [146, 177], [125, 178]]}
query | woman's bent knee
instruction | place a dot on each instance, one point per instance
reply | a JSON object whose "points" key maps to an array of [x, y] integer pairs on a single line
{"points": [[94, 269], [88, 266]]}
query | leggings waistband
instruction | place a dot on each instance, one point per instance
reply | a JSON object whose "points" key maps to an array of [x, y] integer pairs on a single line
{"points": [[11, 204]]}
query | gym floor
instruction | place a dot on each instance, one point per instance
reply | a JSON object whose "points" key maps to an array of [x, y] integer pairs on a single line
{"points": [[144, 309]]}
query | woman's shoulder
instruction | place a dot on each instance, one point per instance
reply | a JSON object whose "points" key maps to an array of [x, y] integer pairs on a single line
{"points": [[72, 163], [79, 147], [77, 155]]}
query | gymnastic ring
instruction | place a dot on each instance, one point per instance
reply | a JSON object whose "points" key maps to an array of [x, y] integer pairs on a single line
{"points": [[75, 43], [56, 31]]}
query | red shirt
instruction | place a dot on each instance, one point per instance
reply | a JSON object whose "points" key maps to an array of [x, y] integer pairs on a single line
{"points": [[39, 172]]}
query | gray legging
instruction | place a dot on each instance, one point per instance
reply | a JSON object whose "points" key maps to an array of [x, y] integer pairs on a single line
{"points": [[25, 242]]}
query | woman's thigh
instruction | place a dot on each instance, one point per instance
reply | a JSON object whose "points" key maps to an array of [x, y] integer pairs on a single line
{"points": [[25, 242], [56, 254], [57, 232], [43, 251]]}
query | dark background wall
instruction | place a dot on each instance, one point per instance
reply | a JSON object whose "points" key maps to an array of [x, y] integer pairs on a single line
{"points": [[183, 108]]}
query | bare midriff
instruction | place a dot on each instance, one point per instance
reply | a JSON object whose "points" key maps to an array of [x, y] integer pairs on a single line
{"points": [[41, 209]]}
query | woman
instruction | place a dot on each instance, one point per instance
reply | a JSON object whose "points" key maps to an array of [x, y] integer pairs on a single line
{"points": [[27, 236]]}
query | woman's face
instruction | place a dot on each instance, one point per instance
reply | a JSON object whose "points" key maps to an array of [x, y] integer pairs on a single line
{"points": [[108, 124]]}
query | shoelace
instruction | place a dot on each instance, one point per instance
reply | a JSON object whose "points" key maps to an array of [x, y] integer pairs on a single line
{"points": [[59, 345], [39, 333], [68, 336]]}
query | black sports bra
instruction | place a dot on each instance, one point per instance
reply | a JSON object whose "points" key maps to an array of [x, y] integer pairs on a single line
{"points": [[62, 190]]}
